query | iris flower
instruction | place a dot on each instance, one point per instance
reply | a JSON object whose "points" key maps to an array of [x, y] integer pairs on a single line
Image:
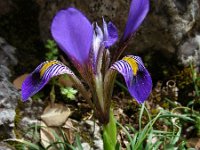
{"points": [[87, 46]]}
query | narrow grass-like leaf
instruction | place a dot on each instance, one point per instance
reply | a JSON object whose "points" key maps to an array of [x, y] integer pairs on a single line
{"points": [[27, 143], [184, 117], [126, 132], [143, 134], [78, 142], [133, 142]]}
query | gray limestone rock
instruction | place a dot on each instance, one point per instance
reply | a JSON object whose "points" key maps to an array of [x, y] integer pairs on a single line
{"points": [[30, 113], [94, 129], [9, 96], [166, 26], [85, 146], [189, 51], [4, 146], [5, 72], [7, 54], [8, 103]]}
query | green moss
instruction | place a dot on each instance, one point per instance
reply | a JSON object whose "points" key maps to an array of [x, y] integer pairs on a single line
{"points": [[185, 85], [17, 120], [165, 105]]}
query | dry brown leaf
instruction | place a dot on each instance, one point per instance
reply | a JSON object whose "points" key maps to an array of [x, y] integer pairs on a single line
{"points": [[68, 129], [193, 143], [46, 135], [69, 135], [19, 80], [55, 115], [68, 125]]}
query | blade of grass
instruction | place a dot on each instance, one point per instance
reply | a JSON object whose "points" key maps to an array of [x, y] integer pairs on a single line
{"points": [[78, 142], [143, 134], [29, 144], [125, 130]]}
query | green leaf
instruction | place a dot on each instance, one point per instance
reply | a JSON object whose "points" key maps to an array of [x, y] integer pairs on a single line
{"points": [[52, 53], [69, 92], [110, 133], [71, 96], [78, 143], [27, 143]]}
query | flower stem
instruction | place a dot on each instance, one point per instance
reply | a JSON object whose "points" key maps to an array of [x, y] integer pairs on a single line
{"points": [[99, 90], [82, 90]]}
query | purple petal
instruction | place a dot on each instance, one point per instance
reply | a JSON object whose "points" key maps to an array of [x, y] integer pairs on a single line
{"points": [[97, 40], [110, 34], [40, 77], [137, 13], [73, 33], [137, 78]]}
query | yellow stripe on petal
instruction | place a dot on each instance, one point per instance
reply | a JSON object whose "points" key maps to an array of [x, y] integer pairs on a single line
{"points": [[46, 66], [132, 62]]}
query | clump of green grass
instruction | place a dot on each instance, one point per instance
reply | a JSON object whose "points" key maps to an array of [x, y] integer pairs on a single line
{"points": [[150, 138], [60, 143]]}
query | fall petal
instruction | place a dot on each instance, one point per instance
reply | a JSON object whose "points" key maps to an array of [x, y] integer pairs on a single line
{"points": [[137, 78], [40, 77]]}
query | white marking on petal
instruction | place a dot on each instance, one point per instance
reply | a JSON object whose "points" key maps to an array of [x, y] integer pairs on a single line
{"points": [[97, 40]]}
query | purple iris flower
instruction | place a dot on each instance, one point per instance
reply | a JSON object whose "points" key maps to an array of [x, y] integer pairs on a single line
{"points": [[87, 46]]}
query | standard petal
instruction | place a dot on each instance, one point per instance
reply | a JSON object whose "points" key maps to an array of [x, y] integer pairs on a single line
{"points": [[41, 75], [110, 34], [137, 13], [73, 33], [97, 40], [137, 78]]}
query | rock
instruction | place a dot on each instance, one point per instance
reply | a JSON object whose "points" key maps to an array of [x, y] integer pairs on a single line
{"points": [[8, 103], [4, 146], [166, 26], [20, 28], [85, 146], [9, 96], [94, 10], [30, 113], [7, 54], [5, 72], [94, 130], [5, 7], [189, 51]]}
